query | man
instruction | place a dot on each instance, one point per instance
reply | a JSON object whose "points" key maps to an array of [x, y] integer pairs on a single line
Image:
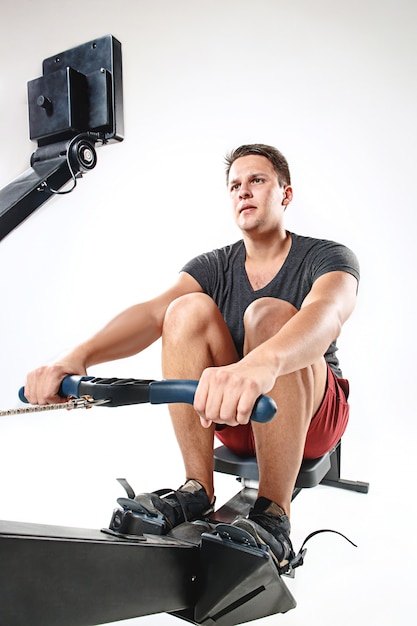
{"points": [[260, 316]]}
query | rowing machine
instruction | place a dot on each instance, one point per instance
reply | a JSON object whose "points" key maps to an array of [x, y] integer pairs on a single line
{"points": [[206, 572]]}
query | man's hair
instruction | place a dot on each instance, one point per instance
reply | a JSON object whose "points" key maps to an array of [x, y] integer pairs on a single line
{"points": [[274, 156]]}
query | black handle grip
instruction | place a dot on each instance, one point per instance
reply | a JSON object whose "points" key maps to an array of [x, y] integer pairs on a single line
{"points": [[121, 392]]}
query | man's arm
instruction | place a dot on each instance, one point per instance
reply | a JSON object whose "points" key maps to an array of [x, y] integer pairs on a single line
{"points": [[128, 333], [302, 341], [307, 336]]}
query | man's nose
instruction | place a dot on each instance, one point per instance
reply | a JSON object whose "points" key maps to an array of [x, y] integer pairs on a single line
{"points": [[244, 191]]}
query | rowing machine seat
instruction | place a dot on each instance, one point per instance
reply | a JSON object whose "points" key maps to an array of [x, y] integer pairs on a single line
{"points": [[325, 470]]}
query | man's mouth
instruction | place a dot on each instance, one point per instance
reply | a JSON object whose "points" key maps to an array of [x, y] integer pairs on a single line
{"points": [[246, 207]]}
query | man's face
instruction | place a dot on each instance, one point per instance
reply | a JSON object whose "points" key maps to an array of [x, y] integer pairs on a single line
{"points": [[258, 200]]}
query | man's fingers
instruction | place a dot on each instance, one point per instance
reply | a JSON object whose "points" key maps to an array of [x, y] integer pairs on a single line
{"points": [[224, 398]]}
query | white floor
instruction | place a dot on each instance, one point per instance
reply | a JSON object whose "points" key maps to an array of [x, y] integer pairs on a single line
{"points": [[68, 479]]}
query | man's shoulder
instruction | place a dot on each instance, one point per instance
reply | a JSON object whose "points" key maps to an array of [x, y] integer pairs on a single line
{"points": [[225, 252], [309, 241], [325, 254], [216, 258], [315, 243], [230, 248]]}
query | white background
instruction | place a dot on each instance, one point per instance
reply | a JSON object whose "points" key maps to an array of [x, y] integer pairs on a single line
{"points": [[332, 84]]}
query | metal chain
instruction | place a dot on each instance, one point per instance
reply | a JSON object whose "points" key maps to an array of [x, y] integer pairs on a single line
{"points": [[86, 402]]}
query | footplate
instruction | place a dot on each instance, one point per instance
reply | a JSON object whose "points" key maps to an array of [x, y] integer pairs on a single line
{"points": [[238, 580], [134, 519]]}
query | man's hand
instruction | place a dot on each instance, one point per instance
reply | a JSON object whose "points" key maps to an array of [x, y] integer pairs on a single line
{"points": [[42, 384], [226, 395]]}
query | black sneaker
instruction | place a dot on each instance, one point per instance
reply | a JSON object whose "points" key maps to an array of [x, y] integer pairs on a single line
{"points": [[189, 503], [269, 525]]}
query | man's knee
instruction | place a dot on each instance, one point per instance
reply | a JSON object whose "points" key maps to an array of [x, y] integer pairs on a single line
{"points": [[194, 323], [190, 313], [192, 306], [264, 318]]}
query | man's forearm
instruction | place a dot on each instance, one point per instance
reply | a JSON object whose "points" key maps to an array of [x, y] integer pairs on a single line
{"points": [[127, 334], [302, 341]]}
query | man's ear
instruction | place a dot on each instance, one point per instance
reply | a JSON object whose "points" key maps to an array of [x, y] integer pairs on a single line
{"points": [[287, 195]]}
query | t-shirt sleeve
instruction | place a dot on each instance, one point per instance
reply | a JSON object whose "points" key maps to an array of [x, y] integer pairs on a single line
{"points": [[202, 270], [334, 257]]}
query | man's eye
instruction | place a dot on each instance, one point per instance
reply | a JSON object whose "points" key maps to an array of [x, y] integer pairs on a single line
{"points": [[257, 180], [234, 187]]}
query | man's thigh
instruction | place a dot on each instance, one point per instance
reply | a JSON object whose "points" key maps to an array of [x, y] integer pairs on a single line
{"points": [[326, 428]]}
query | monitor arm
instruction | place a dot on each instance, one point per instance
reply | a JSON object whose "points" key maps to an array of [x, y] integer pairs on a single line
{"points": [[51, 168], [75, 104]]}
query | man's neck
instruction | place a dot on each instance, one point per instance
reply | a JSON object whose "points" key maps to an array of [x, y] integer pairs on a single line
{"points": [[266, 248], [265, 259]]}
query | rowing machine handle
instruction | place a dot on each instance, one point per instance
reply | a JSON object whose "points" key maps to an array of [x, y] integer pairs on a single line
{"points": [[69, 387], [131, 391]]}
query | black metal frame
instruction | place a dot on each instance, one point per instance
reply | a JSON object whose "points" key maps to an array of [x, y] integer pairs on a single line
{"points": [[59, 576], [333, 477]]}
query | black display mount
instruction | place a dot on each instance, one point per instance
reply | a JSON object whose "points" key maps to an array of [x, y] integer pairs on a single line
{"points": [[75, 104]]}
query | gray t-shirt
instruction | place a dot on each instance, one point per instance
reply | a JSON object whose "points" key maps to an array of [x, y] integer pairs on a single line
{"points": [[221, 274]]}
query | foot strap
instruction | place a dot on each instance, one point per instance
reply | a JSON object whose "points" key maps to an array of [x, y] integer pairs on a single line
{"points": [[298, 560]]}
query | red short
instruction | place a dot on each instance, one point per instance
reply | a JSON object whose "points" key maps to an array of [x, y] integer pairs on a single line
{"points": [[326, 428]]}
